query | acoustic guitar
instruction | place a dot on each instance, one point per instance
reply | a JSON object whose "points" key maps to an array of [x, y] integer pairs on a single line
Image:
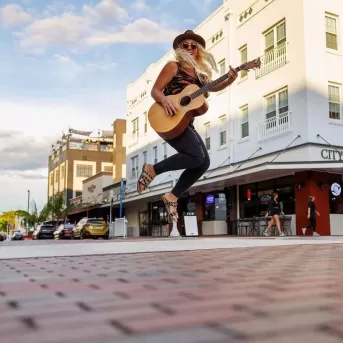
{"points": [[192, 103]]}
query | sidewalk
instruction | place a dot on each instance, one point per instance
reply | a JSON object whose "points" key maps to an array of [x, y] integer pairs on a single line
{"points": [[260, 294], [52, 248]]}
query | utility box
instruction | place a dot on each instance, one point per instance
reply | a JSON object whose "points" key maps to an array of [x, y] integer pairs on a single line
{"points": [[120, 228]]}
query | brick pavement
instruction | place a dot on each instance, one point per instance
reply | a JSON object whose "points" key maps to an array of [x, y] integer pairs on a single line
{"points": [[264, 294]]}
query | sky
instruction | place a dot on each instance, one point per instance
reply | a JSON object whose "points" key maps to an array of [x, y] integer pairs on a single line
{"points": [[66, 64]]}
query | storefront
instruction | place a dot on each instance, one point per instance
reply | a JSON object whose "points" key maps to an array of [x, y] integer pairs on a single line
{"points": [[255, 197], [294, 191]]}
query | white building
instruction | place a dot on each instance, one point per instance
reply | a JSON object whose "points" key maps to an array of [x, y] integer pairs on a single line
{"points": [[276, 128]]}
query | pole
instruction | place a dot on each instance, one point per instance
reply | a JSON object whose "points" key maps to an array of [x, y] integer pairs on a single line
{"points": [[121, 198], [111, 210], [28, 210]]}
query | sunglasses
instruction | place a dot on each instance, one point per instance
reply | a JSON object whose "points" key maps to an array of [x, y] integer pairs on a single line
{"points": [[193, 46]]}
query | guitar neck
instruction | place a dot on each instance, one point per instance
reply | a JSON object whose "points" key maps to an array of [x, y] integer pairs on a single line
{"points": [[212, 84]]}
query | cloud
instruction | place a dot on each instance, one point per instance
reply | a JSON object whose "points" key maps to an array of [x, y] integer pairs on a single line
{"points": [[19, 152], [14, 192], [140, 5], [64, 59], [39, 174], [65, 30], [67, 62], [103, 24], [105, 11], [58, 7], [14, 15], [189, 21], [140, 31]]}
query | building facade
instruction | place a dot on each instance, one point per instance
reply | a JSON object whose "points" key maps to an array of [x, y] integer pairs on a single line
{"points": [[276, 128], [80, 156]]}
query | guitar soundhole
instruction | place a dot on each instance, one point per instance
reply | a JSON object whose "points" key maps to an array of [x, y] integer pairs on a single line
{"points": [[186, 100]]}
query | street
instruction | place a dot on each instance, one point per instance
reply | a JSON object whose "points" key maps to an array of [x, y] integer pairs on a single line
{"points": [[211, 290]]}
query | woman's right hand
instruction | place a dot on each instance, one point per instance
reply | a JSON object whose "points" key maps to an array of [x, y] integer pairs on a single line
{"points": [[169, 107]]}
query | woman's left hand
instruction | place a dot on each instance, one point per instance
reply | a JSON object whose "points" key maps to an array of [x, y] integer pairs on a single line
{"points": [[232, 75]]}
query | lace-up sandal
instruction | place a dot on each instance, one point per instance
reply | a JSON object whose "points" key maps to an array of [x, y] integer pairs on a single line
{"points": [[144, 180], [168, 204]]}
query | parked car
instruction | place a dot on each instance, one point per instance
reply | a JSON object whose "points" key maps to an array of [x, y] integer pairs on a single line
{"points": [[90, 227], [64, 231], [18, 236], [2, 236], [44, 231]]}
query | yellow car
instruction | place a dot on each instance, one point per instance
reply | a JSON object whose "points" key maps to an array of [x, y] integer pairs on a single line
{"points": [[90, 227]]}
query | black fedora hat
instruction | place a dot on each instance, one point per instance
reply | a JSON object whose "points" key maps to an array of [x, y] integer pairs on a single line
{"points": [[189, 34]]}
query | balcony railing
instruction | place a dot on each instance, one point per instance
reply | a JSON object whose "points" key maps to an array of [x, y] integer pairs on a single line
{"points": [[272, 60], [274, 126]]}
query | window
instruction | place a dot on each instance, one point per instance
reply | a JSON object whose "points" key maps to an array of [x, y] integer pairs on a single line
{"points": [[108, 169], [274, 38], [277, 104], [207, 136], [221, 67], [155, 154], [222, 131], [134, 165], [244, 58], [334, 101], [165, 155], [331, 32], [145, 157], [135, 130], [62, 172], [215, 207], [57, 176], [245, 122], [84, 170], [51, 179], [145, 122], [78, 193]]}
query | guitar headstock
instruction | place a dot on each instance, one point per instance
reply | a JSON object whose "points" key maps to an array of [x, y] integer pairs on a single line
{"points": [[251, 64]]}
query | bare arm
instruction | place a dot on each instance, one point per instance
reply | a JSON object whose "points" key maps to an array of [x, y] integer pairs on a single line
{"points": [[165, 76], [309, 212]]}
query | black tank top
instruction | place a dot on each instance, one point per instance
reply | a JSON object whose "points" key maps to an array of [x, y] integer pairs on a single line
{"points": [[179, 82]]}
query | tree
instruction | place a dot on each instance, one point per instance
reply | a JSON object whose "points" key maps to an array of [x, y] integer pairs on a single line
{"points": [[7, 218], [33, 218], [56, 206]]}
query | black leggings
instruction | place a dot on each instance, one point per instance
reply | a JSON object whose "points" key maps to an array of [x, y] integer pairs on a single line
{"points": [[192, 155], [312, 223]]}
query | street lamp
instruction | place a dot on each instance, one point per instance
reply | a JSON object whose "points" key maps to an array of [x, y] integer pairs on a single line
{"points": [[28, 211]]}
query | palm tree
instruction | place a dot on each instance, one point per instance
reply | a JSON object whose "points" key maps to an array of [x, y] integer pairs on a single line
{"points": [[56, 207], [33, 218]]}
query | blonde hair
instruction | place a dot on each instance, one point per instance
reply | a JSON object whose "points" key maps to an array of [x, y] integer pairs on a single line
{"points": [[202, 64]]}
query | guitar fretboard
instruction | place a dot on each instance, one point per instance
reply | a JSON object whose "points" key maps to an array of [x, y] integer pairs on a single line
{"points": [[212, 84]]}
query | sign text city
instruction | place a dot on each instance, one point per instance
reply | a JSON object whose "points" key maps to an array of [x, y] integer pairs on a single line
{"points": [[331, 154]]}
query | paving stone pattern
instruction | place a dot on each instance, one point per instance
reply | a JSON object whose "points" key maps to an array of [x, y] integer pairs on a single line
{"points": [[273, 294]]}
